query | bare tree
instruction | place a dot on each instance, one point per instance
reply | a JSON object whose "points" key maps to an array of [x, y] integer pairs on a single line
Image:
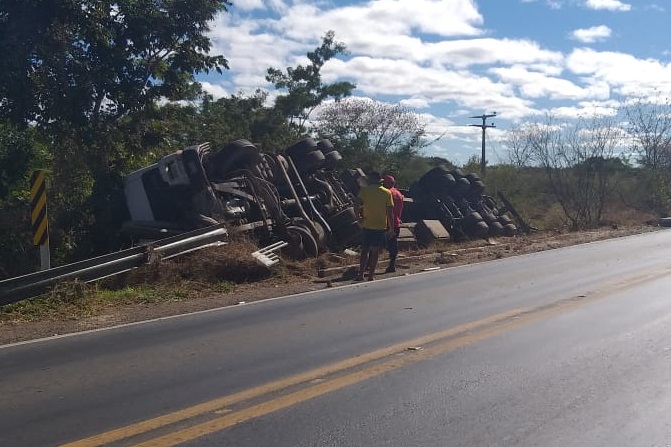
{"points": [[367, 130], [577, 159], [649, 125], [520, 153]]}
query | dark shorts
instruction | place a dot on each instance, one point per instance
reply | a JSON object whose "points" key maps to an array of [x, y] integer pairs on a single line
{"points": [[374, 238]]}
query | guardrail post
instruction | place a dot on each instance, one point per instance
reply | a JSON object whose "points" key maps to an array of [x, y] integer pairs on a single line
{"points": [[40, 223]]}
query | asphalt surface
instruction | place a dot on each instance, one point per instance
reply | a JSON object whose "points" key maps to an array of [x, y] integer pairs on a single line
{"points": [[568, 347]]}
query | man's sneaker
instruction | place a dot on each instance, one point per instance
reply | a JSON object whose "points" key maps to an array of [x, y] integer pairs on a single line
{"points": [[390, 270]]}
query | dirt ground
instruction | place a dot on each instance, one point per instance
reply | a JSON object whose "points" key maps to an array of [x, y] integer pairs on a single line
{"points": [[328, 271]]}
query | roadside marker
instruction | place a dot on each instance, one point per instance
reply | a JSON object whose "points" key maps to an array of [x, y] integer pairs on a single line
{"points": [[38, 217]]}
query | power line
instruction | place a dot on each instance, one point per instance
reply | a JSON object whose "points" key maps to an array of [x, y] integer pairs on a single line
{"points": [[483, 126]]}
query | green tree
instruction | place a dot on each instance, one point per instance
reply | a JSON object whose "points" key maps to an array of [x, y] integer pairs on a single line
{"points": [[304, 85], [240, 116], [87, 75], [89, 62]]}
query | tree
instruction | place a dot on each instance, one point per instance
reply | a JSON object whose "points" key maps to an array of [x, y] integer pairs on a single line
{"points": [[86, 74], [240, 116], [574, 157], [649, 125], [304, 86], [90, 62], [372, 133], [520, 153]]}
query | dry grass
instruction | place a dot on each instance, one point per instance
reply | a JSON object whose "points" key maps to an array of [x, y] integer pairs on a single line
{"points": [[231, 263]]}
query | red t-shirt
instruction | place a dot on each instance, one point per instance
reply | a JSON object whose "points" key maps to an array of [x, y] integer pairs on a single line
{"points": [[398, 206]]}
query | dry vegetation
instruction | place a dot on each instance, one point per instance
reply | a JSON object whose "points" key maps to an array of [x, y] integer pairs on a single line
{"points": [[228, 275]]}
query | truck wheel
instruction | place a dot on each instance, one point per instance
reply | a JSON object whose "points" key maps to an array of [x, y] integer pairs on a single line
{"points": [[505, 220], [309, 162], [462, 186], [319, 234], [301, 243], [344, 217], [509, 230], [495, 228], [301, 148], [477, 188], [347, 235], [480, 229]]}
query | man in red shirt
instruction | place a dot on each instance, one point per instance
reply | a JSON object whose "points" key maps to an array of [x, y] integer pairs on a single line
{"points": [[392, 241]]}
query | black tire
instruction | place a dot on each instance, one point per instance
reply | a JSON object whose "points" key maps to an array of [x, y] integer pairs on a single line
{"points": [[347, 235], [309, 162], [488, 217], [344, 217], [480, 229], [472, 218], [505, 220], [325, 146], [332, 159], [319, 234], [495, 228], [472, 177], [301, 148], [427, 179], [457, 173], [301, 243], [509, 230], [444, 184], [461, 188], [239, 154], [477, 188]]}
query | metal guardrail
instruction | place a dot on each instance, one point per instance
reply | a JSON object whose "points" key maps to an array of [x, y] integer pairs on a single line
{"points": [[27, 286]]}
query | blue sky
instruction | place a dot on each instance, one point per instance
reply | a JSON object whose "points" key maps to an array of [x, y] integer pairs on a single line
{"points": [[452, 59]]}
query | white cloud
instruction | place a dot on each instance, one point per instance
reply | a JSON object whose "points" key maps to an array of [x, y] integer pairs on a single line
{"points": [[216, 90], [626, 74], [437, 56], [415, 103], [248, 5], [610, 5], [382, 18], [536, 85], [593, 34]]}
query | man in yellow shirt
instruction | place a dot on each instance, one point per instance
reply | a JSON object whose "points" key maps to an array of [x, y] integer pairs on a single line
{"points": [[376, 213]]}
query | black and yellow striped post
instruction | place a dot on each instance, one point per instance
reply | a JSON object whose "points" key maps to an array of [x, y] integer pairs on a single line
{"points": [[40, 223]]}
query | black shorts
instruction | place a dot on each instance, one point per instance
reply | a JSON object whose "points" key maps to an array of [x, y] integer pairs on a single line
{"points": [[374, 238]]}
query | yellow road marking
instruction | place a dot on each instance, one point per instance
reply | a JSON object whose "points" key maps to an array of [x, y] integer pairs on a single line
{"points": [[272, 405], [223, 402], [465, 334]]}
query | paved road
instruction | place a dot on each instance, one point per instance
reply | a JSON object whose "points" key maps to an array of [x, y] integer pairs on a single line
{"points": [[569, 347]]}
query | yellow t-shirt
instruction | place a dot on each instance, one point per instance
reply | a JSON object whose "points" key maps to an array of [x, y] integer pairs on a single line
{"points": [[376, 199]]}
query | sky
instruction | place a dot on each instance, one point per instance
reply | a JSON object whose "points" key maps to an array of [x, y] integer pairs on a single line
{"points": [[450, 60]]}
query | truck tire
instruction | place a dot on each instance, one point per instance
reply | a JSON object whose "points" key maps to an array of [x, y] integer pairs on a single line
{"points": [[309, 162], [495, 228], [344, 217], [301, 148], [301, 243], [509, 230]]}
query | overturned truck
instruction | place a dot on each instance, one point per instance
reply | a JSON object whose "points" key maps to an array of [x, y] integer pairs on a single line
{"points": [[296, 196]]}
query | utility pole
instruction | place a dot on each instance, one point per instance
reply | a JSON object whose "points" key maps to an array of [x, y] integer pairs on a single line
{"points": [[483, 126]]}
